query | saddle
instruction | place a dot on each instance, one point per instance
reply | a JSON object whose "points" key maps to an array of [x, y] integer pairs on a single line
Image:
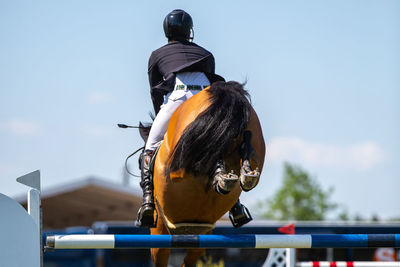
{"points": [[144, 130]]}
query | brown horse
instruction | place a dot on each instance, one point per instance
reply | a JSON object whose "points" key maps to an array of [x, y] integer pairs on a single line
{"points": [[218, 123]]}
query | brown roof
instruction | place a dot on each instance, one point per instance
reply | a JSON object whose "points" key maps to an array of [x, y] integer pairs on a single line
{"points": [[86, 201]]}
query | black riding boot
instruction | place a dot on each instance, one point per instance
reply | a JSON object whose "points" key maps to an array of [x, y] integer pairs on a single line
{"points": [[145, 217], [239, 215]]}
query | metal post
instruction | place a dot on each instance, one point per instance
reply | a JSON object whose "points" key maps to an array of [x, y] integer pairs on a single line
{"points": [[34, 204], [35, 210], [290, 257], [329, 254]]}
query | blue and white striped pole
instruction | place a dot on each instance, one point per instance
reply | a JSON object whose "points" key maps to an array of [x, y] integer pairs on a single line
{"points": [[222, 241]]}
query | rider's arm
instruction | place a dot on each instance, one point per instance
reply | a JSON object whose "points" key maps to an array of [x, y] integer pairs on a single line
{"points": [[158, 99], [155, 78], [212, 64]]}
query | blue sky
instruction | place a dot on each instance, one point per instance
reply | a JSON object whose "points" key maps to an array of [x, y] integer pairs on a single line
{"points": [[323, 76]]}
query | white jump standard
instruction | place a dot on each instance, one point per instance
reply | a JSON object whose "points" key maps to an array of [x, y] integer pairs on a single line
{"points": [[222, 241]]}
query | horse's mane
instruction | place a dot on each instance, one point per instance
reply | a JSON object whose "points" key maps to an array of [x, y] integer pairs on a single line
{"points": [[206, 139]]}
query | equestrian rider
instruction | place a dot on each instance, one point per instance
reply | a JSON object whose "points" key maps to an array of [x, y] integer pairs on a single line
{"points": [[177, 71]]}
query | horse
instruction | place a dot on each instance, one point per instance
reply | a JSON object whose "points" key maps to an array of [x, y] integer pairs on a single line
{"points": [[216, 124]]}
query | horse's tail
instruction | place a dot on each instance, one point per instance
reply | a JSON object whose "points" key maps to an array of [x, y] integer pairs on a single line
{"points": [[206, 139]]}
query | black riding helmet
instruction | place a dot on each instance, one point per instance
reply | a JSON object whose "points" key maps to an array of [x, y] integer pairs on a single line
{"points": [[178, 24]]}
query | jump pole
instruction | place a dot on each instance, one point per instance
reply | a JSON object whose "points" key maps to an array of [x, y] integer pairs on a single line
{"points": [[222, 241]]}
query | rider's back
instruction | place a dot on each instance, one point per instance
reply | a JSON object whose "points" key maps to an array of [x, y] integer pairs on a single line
{"points": [[179, 56]]}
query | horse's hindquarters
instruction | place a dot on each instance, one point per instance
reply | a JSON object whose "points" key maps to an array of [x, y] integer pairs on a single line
{"points": [[193, 139], [191, 199]]}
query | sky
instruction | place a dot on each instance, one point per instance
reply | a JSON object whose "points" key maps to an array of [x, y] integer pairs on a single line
{"points": [[323, 78]]}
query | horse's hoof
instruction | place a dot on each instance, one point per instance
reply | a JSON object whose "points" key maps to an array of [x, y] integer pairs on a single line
{"points": [[145, 217], [224, 182], [249, 178]]}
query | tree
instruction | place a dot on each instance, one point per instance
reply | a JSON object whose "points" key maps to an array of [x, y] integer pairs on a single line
{"points": [[299, 198], [344, 215]]}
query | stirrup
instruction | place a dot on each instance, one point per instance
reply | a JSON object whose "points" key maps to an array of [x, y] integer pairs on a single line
{"points": [[239, 216], [145, 216]]}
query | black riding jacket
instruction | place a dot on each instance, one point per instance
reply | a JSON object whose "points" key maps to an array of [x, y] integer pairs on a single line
{"points": [[175, 57]]}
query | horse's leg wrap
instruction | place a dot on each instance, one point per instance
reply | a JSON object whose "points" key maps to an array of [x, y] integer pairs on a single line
{"points": [[145, 217], [223, 182], [239, 215], [248, 177]]}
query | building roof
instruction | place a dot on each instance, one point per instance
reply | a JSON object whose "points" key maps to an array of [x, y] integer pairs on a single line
{"points": [[86, 201]]}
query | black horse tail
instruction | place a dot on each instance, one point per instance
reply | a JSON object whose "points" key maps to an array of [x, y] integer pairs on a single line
{"points": [[206, 139]]}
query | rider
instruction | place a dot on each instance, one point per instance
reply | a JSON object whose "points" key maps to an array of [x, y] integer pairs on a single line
{"points": [[177, 71]]}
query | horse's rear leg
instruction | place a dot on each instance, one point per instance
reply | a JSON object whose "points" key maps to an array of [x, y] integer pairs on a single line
{"points": [[248, 177], [160, 256], [192, 256]]}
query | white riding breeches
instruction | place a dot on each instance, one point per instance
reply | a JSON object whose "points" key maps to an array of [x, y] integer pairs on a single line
{"points": [[171, 102]]}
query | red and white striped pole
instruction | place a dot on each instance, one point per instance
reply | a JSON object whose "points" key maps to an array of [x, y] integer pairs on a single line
{"points": [[349, 264]]}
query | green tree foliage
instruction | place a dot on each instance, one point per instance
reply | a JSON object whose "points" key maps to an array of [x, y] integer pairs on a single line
{"points": [[344, 215], [394, 219], [299, 198]]}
